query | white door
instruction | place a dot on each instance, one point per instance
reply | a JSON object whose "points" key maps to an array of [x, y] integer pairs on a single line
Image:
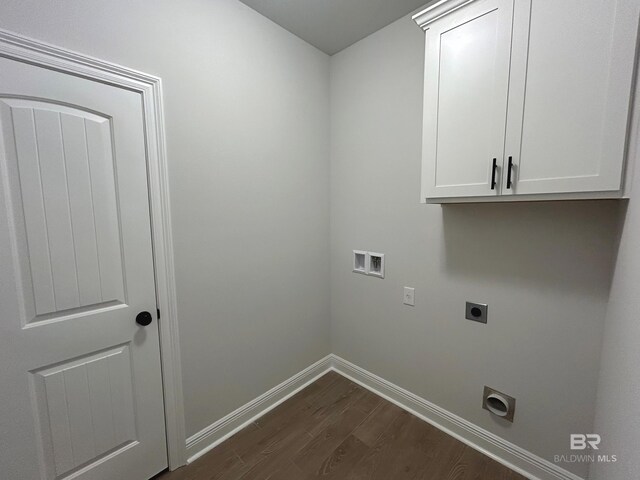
{"points": [[571, 76], [80, 381], [465, 105]]}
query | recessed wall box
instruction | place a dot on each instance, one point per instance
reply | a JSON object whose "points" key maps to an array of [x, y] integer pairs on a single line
{"points": [[368, 263], [376, 264], [360, 262]]}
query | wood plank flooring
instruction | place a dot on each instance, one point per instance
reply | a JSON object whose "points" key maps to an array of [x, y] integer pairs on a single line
{"points": [[337, 430]]}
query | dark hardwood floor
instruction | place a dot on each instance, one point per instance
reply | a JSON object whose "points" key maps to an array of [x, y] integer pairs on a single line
{"points": [[335, 429]]}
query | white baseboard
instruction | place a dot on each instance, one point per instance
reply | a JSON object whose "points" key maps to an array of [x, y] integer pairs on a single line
{"points": [[216, 433], [502, 451]]}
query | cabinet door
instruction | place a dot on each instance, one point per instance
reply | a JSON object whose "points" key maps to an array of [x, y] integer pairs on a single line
{"points": [[466, 83], [571, 77]]}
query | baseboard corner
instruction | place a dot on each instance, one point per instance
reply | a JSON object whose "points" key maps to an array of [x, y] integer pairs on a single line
{"points": [[216, 433], [488, 443]]}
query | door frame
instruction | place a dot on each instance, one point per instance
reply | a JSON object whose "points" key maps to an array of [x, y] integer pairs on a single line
{"points": [[27, 50]]}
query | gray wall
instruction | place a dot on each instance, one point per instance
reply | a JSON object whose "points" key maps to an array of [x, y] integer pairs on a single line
{"points": [[247, 132], [617, 408], [544, 269]]}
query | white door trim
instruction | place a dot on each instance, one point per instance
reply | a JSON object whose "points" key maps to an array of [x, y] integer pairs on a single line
{"points": [[150, 88]]}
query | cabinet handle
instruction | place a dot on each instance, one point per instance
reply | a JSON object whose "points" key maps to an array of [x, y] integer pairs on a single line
{"points": [[493, 174], [510, 169]]}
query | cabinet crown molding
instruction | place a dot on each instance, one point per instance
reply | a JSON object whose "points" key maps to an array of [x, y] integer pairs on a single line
{"points": [[436, 11]]}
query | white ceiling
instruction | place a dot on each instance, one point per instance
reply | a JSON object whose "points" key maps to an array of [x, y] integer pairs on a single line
{"points": [[332, 25]]}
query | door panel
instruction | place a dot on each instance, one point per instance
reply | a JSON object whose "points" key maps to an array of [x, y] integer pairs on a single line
{"points": [[467, 73], [82, 387], [571, 79], [66, 176], [86, 408]]}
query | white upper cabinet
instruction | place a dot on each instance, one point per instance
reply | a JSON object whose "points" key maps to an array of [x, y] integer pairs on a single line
{"points": [[467, 79], [541, 86]]}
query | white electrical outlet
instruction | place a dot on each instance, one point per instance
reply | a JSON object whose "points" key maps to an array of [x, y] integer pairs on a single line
{"points": [[409, 296]]}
